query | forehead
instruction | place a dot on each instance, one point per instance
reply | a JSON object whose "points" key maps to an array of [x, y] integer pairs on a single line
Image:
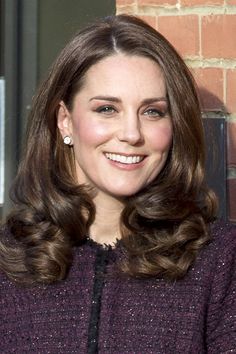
{"points": [[125, 74]]}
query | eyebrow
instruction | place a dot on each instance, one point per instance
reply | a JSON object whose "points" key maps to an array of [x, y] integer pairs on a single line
{"points": [[118, 100]]}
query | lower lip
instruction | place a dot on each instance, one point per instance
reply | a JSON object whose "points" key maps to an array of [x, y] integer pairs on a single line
{"points": [[126, 166]]}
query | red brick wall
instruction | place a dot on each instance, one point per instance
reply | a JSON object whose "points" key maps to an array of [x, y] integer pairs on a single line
{"points": [[204, 32]]}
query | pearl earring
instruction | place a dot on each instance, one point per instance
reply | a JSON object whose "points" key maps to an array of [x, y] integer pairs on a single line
{"points": [[67, 140]]}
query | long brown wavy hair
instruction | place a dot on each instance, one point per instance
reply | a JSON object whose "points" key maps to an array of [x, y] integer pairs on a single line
{"points": [[167, 222]]}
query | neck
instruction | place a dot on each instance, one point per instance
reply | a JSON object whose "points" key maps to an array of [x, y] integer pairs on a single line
{"points": [[106, 226]]}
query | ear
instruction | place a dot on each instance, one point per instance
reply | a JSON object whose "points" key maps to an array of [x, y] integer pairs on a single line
{"points": [[64, 120]]}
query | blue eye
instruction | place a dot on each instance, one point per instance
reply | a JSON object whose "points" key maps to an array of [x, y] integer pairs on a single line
{"points": [[153, 112], [106, 110]]}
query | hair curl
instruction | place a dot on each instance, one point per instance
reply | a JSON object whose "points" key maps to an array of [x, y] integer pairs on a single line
{"points": [[166, 224]]}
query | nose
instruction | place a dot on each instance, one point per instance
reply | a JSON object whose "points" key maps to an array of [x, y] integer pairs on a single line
{"points": [[130, 130]]}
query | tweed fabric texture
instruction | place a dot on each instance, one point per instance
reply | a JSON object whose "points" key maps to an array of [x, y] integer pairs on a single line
{"points": [[194, 315]]}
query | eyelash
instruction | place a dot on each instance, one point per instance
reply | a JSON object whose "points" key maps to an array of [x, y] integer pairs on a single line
{"points": [[154, 112], [151, 112], [106, 109]]}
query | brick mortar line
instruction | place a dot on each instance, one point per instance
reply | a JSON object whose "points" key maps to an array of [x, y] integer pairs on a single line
{"points": [[231, 118], [195, 62], [200, 35], [219, 114], [224, 86], [214, 113], [231, 172], [131, 9], [175, 10]]}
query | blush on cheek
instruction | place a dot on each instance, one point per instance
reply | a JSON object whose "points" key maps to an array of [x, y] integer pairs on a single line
{"points": [[92, 132], [161, 138]]}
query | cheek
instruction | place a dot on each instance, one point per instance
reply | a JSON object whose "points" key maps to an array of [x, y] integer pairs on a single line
{"points": [[160, 138], [90, 132]]}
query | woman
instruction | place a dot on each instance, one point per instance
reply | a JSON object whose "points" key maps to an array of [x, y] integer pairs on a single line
{"points": [[112, 235]]}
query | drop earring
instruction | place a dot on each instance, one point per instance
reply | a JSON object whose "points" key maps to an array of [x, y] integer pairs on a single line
{"points": [[67, 140]]}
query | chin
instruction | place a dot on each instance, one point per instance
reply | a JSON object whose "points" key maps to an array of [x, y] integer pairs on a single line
{"points": [[125, 192]]}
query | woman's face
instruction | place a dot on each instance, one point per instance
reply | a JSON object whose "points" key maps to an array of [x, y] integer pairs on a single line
{"points": [[120, 125]]}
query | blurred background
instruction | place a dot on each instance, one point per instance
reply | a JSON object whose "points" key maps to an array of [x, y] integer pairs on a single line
{"points": [[32, 33]]}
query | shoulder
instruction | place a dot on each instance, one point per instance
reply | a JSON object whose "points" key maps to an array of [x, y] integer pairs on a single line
{"points": [[223, 232], [218, 262], [223, 239], [222, 242], [221, 314], [215, 263], [222, 245]]}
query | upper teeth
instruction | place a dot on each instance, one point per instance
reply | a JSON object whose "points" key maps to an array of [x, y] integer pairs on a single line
{"points": [[124, 159]]}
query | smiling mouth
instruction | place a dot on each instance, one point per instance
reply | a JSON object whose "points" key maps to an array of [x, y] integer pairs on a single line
{"points": [[131, 159]]}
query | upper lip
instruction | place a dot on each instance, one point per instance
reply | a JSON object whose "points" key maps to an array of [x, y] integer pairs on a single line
{"points": [[124, 153]]}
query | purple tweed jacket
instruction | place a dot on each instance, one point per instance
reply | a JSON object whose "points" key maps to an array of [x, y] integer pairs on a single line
{"points": [[96, 310]]}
